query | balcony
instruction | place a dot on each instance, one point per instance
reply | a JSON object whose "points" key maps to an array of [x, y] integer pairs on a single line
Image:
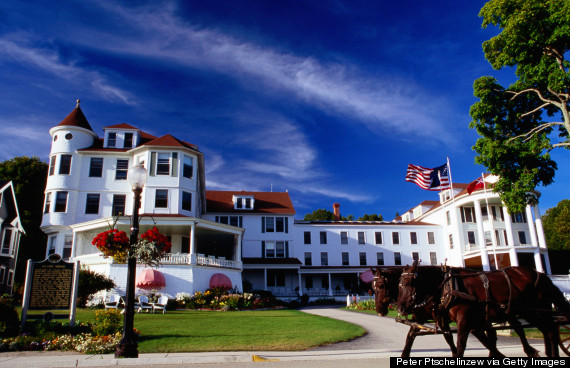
{"points": [[172, 259]]}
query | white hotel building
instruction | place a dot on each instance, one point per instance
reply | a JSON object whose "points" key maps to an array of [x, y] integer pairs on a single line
{"points": [[252, 237]]}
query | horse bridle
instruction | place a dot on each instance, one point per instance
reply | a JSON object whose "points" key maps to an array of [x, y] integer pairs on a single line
{"points": [[375, 282], [412, 276]]}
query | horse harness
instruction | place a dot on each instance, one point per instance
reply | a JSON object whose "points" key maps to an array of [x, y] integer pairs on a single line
{"points": [[451, 291]]}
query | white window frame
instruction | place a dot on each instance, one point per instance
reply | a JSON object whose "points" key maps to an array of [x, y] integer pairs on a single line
{"points": [[10, 241]]}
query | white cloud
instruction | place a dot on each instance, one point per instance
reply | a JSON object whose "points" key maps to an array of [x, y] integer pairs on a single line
{"points": [[49, 61], [383, 104]]}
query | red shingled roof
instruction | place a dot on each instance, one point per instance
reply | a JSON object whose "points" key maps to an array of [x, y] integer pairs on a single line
{"points": [[265, 202], [170, 141], [121, 126], [76, 119]]}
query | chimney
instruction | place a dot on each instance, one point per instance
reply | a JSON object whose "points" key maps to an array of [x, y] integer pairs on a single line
{"points": [[336, 207]]}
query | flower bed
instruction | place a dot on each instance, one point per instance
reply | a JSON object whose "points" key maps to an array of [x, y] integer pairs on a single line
{"points": [[227, 300]]}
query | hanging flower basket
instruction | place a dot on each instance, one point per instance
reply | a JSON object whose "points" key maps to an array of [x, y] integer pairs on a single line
{"points": [[113, 243], [148, 250]]}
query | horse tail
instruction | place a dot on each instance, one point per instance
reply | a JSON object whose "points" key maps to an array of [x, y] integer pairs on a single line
{"points": [[547, 287]]}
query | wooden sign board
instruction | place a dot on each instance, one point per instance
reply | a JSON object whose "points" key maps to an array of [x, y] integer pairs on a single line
{"points": [[51, 285]]}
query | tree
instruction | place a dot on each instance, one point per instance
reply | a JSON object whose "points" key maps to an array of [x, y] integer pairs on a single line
{"points": [[372, 217], [90, 283], [319, 215], [29, 175], [556, 223], [516, 123]]}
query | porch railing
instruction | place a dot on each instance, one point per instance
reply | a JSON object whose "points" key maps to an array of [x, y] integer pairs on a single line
{"points": [[171, 259]]}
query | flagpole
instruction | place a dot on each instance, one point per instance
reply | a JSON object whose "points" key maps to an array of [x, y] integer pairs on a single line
{"points": [[493, 237], [450, 181]]}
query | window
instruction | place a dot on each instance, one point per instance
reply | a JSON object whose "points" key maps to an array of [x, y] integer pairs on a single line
{"points": [[274, 224], [323, 236], [522, 237], [484, 213], [6, 241], [498, 237], [270, 249], [413, 237], [431, 237], [274, 249], [450, 241], [471, 237], [128, 142], [345, 260], [397, 259], [122, 169], [118, 204], [2, 274], [92, 204], [47, 203], [361, 237], [468, 214], [324, 259], [378, 237], [275, 278], [60, 202], [343, 237], [415, 256], [362, 257], [519, 218], [230, 220], [395, 238], [243, 203], [161, 198], [163, 164], [111, 139], [67, 246], [308, 261], [280, 249], [380, 259], [52, 165], [187, 167], [488, 239], [505, 237], [10, 278], [64, 164], [185, 245], [96, 167], [307, 237], [309, 282], [448, 216], [433, 258], [187, 201]]}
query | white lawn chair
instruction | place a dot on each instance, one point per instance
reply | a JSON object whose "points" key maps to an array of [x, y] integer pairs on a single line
{"points": [[160, 305], [114, 301], [144, 304]]}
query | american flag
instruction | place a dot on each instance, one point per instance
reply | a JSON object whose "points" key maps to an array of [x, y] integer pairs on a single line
{"points": [[429, 179]]}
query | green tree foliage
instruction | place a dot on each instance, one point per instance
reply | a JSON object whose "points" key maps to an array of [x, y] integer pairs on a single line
{"points": [[91, 283], [517, 124], [29, 175], [372, 217], [319, 215], [556, 223]]}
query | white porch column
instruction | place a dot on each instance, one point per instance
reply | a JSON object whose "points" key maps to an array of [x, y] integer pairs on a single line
{"points": [[300, 286], [531, 228], [74, 245], [547, 263], [539, 228], [238, 248], [265, 279], [513, 257], [538, 261], [508, 227], [481, 236], [192, 255], [330, 285]]}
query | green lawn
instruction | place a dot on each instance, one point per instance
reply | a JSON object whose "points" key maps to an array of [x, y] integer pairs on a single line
{"points": [[193, 331]]}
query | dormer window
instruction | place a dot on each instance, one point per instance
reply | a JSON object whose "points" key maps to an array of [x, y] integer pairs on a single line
{"points": [[128, 142], [243, 203], [111, 139]]}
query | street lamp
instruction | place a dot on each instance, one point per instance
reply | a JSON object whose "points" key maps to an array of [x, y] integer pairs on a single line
{"points": [[128, 347]]}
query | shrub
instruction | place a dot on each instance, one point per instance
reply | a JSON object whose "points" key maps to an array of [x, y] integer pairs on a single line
{"points": [[363, 305], [91, 283], [9, 321], [107, 322]]}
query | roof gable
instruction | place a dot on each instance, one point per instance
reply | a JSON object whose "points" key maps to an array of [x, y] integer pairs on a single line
{"points": [[170, 141], [265, 202]]}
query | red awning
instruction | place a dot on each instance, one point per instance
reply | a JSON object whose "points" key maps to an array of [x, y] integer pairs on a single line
{"points": [[367, 276], [150, 279], [220, 280]]}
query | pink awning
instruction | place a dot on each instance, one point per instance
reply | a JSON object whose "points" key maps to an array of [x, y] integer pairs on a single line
{"points": [[150, 279], [367, 276], [220, 280]]}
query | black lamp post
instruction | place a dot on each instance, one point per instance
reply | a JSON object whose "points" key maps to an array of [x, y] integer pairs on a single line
{"points": [[128, 347]]}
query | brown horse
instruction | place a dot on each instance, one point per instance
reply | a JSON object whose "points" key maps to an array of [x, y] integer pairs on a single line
{"points": [[465, 299]]}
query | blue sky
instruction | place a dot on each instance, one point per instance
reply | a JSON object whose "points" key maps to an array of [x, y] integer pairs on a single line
{"points": [[330, 100]]}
